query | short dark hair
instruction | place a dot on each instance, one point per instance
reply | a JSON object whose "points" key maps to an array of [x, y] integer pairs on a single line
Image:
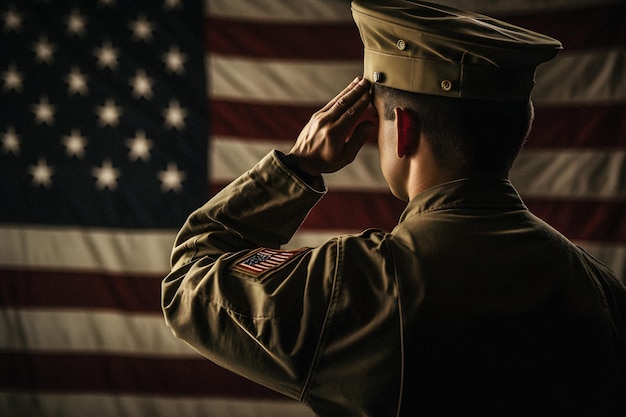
{"points": [[469, 135]]}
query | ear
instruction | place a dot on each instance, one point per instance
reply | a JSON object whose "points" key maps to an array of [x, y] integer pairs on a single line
{"points": [[408, 132]]}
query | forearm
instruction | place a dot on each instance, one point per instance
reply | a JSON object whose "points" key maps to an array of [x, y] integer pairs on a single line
{"points": [[262, 208]]}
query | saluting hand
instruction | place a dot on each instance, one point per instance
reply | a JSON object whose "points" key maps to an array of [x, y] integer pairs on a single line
{"points": [[323, 145]]}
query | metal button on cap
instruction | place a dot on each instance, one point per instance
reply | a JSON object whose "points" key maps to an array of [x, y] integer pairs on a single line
{"points": [[378, 77], [401, 45], [446, 85]]}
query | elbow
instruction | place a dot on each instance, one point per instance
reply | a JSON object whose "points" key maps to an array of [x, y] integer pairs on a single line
{"points": [[171, 300]]}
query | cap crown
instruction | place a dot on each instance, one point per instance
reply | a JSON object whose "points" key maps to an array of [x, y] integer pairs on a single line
{"points": [[434, 49]]}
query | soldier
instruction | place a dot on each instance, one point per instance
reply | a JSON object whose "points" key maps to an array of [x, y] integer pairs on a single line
{"points": [[470, 306]]}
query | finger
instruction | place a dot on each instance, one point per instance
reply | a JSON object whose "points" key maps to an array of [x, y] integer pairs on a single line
{"points": [[355, 110], [352, 101], [341, 94]]}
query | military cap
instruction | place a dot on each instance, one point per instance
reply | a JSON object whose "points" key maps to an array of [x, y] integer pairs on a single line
{"points": [[438, 50]]}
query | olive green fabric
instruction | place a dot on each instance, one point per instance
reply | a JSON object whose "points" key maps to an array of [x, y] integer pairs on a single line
{"points": [[470, 306], [432, 49]]}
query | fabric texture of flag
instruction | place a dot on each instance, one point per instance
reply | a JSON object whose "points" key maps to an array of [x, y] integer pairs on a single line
{"points": [[117, 119]]}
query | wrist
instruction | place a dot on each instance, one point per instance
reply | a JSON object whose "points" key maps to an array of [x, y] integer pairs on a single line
{"points": [[291, 162]]}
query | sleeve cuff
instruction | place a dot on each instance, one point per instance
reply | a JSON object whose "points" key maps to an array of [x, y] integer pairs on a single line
{"points": [[289, 161]]}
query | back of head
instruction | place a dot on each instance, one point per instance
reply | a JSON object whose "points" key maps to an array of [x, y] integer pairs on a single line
{"points": [[465, 135]]}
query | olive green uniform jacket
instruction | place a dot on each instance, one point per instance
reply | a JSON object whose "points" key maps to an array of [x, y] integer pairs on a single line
{"points": [[470, 306]]}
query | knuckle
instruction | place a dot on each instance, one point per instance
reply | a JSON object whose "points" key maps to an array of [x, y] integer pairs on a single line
{"points": [[318, 118]]}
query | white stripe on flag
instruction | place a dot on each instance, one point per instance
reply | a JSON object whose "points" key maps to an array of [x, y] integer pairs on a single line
{"points": [[293, 82], [73, 248], [316, 82], [559, 81], [571, 173], [281, 11], [98, 332], [555, 173], [232, 157]]}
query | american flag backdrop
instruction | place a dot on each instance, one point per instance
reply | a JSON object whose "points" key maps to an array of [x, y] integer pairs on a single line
{"points": [[117, 118]]}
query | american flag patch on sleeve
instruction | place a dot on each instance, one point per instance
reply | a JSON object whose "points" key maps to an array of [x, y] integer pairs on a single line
{"points": [[264, 259]]}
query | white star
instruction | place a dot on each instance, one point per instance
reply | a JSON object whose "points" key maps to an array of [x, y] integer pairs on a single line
{"points": [[12, 79], [142, 85], [75, 144], [142, 29], [44, 111], [175, 61], [107, 56], [42, 173], [77, 82], [175, 116], [12, 20], [171, 4], [139, 147], [11, 141], [171, 179], [75, 23], [106, 177], [109, 114], [44, 50]]}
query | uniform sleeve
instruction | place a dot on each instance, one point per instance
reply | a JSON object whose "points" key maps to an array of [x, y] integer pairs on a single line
{"points": [[238, 299], [263, 207]]}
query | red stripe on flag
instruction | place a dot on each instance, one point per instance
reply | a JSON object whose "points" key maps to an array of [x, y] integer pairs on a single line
{"points": [[575, 127], [283, 40], [121, 374], [582, 28], [341, 41], [355, 211], [35, 288], [255, 120], [584, 220], [599, 126]]}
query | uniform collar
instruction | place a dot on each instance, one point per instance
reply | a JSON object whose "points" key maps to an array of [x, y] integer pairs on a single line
{"points": [[465, 193]]}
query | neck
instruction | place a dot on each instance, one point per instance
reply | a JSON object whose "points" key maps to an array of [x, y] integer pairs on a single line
{"points": [[425, 172]]}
